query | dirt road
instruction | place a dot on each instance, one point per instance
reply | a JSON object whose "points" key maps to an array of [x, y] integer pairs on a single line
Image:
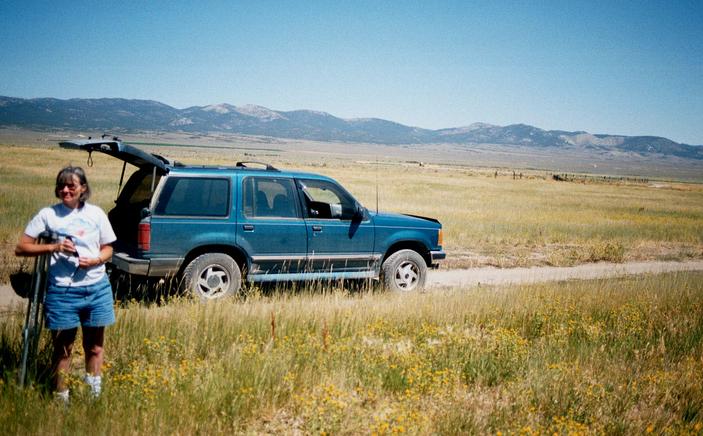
{"points": [[495, 276], [489, 276]]}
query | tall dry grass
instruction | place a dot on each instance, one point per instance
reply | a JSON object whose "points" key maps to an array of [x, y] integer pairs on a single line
{"points": [[522, 222], [487, 220], [605, 356]]}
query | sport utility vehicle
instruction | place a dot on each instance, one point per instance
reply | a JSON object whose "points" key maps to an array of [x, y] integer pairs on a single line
{"points": [[213, 226]]}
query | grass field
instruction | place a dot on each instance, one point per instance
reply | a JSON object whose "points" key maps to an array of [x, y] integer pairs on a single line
{"points": [[488, 220], [611, 356], [608, 356]]}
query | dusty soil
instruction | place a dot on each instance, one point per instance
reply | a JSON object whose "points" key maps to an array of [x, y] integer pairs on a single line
{"points": [[9, 301], [496, 276]]}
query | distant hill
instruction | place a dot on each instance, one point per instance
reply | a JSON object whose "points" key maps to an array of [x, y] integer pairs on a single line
{"points": [[116, 115]]}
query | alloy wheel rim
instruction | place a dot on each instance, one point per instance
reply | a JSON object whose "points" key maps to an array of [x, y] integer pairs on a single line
{"points": [[407, 275], [213, 281]]}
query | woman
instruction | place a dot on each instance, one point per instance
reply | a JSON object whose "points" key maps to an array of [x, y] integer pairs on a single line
{"points": [[78, 292]]}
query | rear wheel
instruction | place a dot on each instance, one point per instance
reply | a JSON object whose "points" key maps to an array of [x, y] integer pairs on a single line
{"points": [[404, 271], [212, 276]]}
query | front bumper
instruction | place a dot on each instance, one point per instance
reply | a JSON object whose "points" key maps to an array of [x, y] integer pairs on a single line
{"points": [[159, 267], [436, 256]]}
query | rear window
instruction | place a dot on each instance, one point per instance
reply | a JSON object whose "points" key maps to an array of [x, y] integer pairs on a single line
{"points": [[190, 196], [137, 190], [269, 197], [142, 193]]}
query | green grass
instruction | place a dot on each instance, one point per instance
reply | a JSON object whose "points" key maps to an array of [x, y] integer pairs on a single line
{"points": [[606, 356]]}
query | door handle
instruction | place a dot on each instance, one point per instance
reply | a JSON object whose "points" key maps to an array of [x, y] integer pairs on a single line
{"points": [[316, 228], [248, 227]]}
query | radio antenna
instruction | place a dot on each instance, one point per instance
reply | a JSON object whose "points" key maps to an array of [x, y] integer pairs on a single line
{"points": [[376, 184]]}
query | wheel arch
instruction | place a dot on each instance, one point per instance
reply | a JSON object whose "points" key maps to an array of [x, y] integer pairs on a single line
{"points": [[416, 246], [234, 252]]}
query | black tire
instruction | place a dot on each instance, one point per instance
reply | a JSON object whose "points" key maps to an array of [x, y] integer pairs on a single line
{"points": [[212, 276], [404, 271]]}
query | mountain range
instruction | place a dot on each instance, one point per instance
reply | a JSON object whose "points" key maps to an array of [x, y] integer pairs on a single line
{"points": [[115, 115]]}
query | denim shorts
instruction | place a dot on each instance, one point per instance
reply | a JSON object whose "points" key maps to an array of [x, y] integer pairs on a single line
{"points": [[67, 307]]}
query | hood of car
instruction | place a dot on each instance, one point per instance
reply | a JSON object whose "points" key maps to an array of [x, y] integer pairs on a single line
{"points": [[399, 219], [115, 148]]}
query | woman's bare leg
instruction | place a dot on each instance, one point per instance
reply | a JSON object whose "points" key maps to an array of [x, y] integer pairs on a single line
{"points": [[61, 358]]}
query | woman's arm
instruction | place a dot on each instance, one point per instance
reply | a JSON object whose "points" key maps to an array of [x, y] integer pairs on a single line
{"points": [[27, 246]]}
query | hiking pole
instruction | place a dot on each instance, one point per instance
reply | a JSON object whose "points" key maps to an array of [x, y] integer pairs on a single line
{"points": [[34, 319]]}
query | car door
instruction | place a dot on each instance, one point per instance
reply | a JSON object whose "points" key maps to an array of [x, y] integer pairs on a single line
{"points": [[340, 232], [270, 225]]}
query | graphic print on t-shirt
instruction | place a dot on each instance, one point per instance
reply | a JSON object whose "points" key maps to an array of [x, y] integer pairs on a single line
{"points": [[81, 230]]}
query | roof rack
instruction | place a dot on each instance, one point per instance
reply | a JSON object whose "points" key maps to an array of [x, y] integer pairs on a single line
{"points": [[267, 166]]}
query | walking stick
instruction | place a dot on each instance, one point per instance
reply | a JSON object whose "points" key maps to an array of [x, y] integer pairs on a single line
{"points": [[35, 315]]}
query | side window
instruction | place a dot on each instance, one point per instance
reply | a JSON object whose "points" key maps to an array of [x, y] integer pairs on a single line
{"points": [[269, 197], [326, 200], [194, 196]]}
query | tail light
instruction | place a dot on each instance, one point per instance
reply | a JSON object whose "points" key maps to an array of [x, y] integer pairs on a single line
{"points": [[440, 238], [144, 236]]}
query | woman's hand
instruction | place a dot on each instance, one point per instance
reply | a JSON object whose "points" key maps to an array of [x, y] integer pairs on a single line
{"points": [[89, 262], [66, 246], [104, 256]]}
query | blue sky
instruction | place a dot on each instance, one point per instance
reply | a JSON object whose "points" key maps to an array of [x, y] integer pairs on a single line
{"points": [[633, 68]]}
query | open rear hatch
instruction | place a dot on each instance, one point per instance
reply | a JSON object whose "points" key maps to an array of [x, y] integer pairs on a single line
{"points": [[138, 190], [125, 152]]}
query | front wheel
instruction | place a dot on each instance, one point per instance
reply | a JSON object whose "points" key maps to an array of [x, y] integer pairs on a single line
{"points": [[404, 271], [212, 276]]}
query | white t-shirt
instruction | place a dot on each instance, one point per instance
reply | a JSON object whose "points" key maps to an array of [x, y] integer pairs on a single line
{"points": [[88, 227]]}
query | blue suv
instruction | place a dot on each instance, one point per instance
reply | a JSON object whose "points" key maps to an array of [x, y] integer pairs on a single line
{"points": [[214, 227]]}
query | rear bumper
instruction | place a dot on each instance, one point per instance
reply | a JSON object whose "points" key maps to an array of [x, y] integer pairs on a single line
{"points": [[160, 267]]}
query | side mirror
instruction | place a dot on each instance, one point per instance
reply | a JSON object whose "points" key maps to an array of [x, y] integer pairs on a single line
{"points": [[359, 211]]}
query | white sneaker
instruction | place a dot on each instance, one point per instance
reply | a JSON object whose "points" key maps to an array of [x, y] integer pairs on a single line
{"points": [[62, 397], [95, 383]]}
